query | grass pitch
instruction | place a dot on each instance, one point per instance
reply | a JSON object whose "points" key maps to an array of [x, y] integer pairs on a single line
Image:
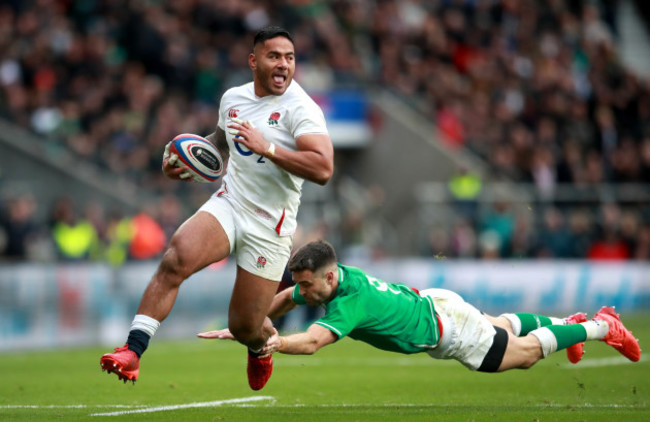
{"points": [[202, 380]]}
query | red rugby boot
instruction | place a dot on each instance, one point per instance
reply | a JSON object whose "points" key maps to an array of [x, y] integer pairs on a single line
{"points": [[575, 352], [619, 337], [259, 370], [124, 363]]}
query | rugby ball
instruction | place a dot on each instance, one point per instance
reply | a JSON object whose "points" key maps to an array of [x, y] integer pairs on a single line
{"points": [[199, 155]]}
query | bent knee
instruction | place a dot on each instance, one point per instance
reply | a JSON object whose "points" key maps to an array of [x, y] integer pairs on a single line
{"points": [[174, 267]]}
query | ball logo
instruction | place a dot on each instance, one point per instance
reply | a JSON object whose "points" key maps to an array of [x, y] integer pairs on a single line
{"points": [[273, 119], [204, 156], [232, 113], [261, 262]]}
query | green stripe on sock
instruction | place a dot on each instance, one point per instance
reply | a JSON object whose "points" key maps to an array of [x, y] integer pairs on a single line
{"points": [[568, 335], [530, 322]]}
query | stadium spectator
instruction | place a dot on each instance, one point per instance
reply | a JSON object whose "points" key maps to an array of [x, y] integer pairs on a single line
{"points": [[148, 239], [18, 227], [119, 232], [554, 240], [395, 317], [580, 233], [75, 238], [499, 223], [465, 188]]}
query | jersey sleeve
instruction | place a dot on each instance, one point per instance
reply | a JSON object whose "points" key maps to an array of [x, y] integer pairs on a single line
{"points": [[342, 316], [308, 118], [297, 297]]}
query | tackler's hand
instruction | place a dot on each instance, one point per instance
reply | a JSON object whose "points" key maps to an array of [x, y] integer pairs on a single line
{"points": [[224, 334]]}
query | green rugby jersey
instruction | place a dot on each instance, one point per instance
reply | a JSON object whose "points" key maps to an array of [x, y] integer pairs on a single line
{"points": [[385, 315]]}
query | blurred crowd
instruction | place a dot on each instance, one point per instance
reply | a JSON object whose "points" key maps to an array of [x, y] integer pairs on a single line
{"points": [[534, 87], [85, 232]]}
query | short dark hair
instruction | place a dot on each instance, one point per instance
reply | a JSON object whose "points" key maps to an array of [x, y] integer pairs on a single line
{"points": [[269, 32], [313, 256]]}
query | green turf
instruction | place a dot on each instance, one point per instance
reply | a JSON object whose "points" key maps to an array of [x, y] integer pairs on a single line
{"points": [[349, 381]]}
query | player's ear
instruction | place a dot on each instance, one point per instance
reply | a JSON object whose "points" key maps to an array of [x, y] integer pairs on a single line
{"points": [[252, 61], [330, 277]]}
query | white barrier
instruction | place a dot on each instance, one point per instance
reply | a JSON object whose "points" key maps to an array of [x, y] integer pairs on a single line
{"points": [[59, 305]]}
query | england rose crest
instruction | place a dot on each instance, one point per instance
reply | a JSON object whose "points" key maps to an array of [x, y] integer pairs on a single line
{"points": [[273, 119], [261, 262]]}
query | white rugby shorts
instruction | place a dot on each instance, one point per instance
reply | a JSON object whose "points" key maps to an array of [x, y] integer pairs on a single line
{"points": [[466, 334], [259, 249]]}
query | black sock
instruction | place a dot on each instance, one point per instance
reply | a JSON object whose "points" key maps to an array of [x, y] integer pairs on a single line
{"points": [[254, 354], [138, 341]]}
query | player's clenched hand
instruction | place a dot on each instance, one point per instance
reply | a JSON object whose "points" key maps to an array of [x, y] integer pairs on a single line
{"points": [[224, 334], [170, 169], [247, 135]]}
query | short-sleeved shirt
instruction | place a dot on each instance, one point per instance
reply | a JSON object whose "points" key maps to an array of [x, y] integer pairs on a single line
{"points": [[258, 184], [388, 316]]}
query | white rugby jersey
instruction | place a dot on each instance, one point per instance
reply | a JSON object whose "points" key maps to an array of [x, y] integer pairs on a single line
{"points": [[269, 191]]}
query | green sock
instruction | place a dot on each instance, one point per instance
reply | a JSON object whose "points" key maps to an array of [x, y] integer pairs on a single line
{"points": [[530, 322], [568, 335]]}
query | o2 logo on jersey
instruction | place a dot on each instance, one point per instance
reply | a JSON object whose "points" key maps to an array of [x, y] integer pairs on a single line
{"points": [[232, 113], [247, 152], [381, 286]]}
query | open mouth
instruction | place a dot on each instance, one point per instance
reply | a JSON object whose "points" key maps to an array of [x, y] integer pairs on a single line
{"points": [[279, 80]]}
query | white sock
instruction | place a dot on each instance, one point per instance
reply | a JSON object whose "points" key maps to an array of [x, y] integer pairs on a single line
{"points": [[596, 329], [146, 324], [546, 339], [557, 321], [515, 322]]}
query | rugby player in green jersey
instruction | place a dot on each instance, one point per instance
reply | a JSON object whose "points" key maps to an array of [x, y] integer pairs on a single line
{"points": [[439, 322]]}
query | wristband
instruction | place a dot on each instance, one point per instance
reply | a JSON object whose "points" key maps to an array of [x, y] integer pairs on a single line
{"points": [[271, 151]]}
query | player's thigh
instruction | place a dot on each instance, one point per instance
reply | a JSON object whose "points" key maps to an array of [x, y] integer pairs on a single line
{"points": [[466, 334], [198, 242], [500, 321], [251, 299], [260, 250], [437, 293], [262, 257]]}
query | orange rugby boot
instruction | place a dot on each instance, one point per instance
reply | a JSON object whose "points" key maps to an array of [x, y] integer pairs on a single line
{"points": [[619, 337], [124, 363], [575, 352]]}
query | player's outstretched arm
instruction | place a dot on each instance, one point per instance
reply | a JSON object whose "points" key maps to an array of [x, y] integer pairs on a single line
{"points": [[306, 343], [282, 304]]}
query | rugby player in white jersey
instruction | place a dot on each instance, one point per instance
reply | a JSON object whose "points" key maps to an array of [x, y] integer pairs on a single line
{"points": [[273, 136]]}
